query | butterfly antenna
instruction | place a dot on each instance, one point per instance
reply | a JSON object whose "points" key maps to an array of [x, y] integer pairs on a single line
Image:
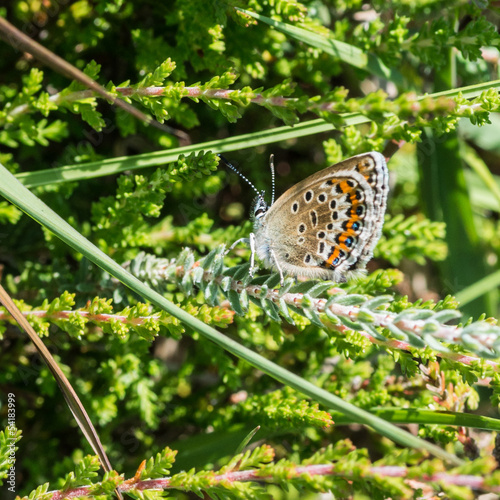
{"points": [[271, 166], [234, 169]]}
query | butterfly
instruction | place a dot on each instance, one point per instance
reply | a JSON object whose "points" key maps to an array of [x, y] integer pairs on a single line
{"points": [[327, 225]]}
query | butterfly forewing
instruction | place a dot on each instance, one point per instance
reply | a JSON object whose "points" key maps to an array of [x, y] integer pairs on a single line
{"points": [[327, 224]]}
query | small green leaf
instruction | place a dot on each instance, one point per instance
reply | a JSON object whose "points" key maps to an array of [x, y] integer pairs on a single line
{"points": [[284, 311], [271, 310], [234, 300]]}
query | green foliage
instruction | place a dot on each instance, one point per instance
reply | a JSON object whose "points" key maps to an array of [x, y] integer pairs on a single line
{"points": [[122, 216], [280, 409], [83, 474], [387, 340], [420, 327], [338, 468], [160, 465], [8, 439], [412, 238], [8, 213]]}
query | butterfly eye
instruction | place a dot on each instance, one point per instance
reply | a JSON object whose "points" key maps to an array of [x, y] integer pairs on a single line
{"points": [[260, 208], [260, 212]]}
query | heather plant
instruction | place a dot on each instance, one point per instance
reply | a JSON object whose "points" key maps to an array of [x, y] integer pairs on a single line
{"points": [[198, 377]]}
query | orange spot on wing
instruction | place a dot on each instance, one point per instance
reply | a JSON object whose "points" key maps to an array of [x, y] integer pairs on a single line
{"points": [[343, 237], [333, 256], [344, 186]]}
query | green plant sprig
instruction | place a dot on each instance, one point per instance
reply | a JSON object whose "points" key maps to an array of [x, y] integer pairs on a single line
{"points": [[415, 238], [139, 319], [9, 437], [400, 119], [121, 218], [410, 328], [412, 111], [340, 468], [280, 410]]}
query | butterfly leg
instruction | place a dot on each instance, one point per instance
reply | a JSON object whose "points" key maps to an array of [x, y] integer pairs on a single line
{"points": [[237, 242], [251, 243], [252, 254], [275, 261]]}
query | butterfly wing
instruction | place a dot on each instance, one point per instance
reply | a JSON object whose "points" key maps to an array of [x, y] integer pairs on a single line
{"points": [[328, 224]]}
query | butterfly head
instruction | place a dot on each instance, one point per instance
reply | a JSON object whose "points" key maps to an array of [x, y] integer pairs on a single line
{"points": [[260, 207]]}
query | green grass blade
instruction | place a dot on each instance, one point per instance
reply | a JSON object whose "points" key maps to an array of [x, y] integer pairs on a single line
{"points": [[200, 449], [71, 173], [111, 166], [246, 440], [477, 165], [482, 196], [428, 417], [24, 199], [342, 51], [444, 191], [489, 283]]}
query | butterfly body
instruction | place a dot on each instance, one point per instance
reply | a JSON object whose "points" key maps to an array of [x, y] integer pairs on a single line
{"points": [[327, 225]]}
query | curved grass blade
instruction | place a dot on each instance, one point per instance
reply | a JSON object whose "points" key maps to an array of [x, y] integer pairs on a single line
{"points": [[71, 173], [24, 199], [71, 397], [247, 439], [482, 196]]}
